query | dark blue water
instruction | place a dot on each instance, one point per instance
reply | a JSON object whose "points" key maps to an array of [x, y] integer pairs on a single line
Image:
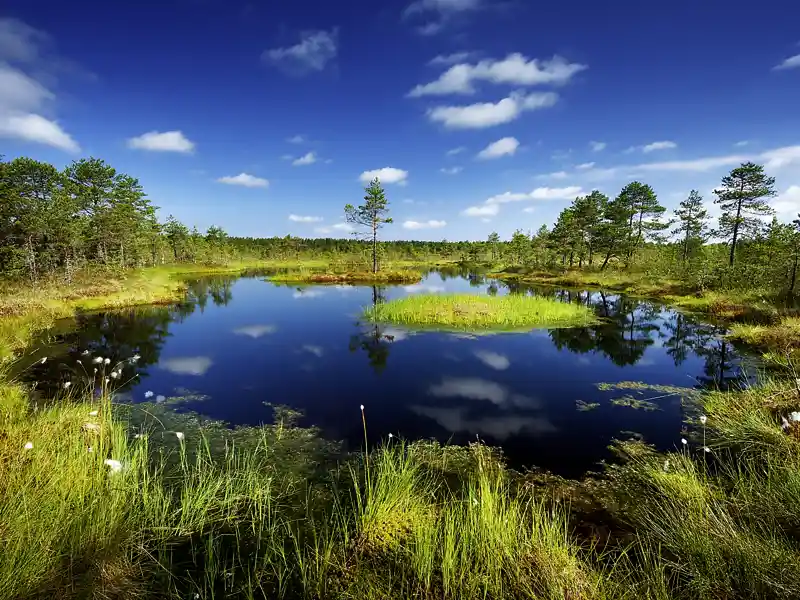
{"points": [[241, 344]]}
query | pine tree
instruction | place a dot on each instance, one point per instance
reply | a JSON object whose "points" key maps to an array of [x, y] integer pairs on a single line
{"points": [[372, 214], [742, 200], [692, 222], [493, 240]]}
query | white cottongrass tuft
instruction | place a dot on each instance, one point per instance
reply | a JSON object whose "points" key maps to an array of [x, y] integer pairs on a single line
{"points": [[138, 436], [28, 446], [114, 465], [391, 436], [148, 394], [666, 465], [93, 413], [85, 353], [179, 435], [97, 360], [90, 449], [135, 358], [795, 416], [362, 407], [106, 361], [703, 419], [67, 384], [44, 360], [683, 441], [91, 427], [106, 379], [114, 374], [706, 449]]}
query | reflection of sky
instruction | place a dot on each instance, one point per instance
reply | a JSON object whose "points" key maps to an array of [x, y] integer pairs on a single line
{"points": [[518, 390]]}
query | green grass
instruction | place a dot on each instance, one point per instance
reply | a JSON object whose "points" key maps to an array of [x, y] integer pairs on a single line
{"points": [[731, 306], [465, 311], [353, 277], [781, 336]]}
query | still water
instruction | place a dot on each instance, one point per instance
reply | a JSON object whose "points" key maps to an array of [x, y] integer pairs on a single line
{"points": [[240, 344]]}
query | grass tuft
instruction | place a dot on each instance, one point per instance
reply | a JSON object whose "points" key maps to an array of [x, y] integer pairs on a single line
{"points": [[463, 311]]}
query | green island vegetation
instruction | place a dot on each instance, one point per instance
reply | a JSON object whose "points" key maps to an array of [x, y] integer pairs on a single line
{"points": [[467, 311], [104, 500]]}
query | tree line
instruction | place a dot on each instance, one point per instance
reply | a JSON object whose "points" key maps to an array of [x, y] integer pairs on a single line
{"points": [[89, 215]]}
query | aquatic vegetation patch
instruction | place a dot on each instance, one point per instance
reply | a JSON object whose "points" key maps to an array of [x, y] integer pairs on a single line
{"points": [[586, 406], [465, 311]]}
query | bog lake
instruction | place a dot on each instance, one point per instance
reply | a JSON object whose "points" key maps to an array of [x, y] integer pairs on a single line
{"points": [[238, 345]]}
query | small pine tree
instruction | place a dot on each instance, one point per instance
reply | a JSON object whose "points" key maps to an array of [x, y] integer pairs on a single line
{"points": [[372, 215], [692, 222]]}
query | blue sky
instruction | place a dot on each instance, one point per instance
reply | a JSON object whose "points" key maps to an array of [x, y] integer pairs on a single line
{"points": [[480, 115]]}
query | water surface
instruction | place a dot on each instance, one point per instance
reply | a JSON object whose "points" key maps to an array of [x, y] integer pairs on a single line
{"points": [[239, 345]]}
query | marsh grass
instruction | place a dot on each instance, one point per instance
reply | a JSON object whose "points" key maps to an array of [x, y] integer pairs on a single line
{"points": [[781, 336], [464, 311], [750, 306], [351, 277]]}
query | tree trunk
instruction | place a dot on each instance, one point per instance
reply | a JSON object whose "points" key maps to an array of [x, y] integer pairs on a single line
{"points": [[605, 262], [32, 261], [794, 275], [374, 248], [686, 244], [735, 232]]}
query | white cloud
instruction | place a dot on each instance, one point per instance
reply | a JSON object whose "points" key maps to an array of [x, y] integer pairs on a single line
{"points": [[255, 331], [443, 6], [187, 365], [35, 128], [386, 175], [18, 92], [430, 224], [793, 62], [489, 114], [742, 144], [787, 203], [245, 180], [346, 227], [307, 159], [450, 59], [304, 219], [157, 141], [451, 170], [19, 42], [485, 210], [307, 293], [515, 69], [297, 139], [314, 51], [22, 96], [541, 193], [584, 166], [506, 146], [455, 420], [663, 145], [554, 175], [475, 388], [455, 151], [493, 360], [780, 157], [529, 209], [315, 350], [598, 146]]}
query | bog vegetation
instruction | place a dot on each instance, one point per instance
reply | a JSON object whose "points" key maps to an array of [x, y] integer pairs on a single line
{"points": [[100, 500]]}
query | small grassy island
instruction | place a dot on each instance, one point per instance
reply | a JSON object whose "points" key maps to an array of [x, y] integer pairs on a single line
{"points": [[468, 311], [353, 277]]}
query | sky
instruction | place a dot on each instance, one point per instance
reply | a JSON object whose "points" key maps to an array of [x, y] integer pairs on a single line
{"points": [[267, 117]]}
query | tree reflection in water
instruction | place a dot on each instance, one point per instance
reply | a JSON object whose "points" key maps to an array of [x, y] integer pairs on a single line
{"points": [[119, 336]]}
